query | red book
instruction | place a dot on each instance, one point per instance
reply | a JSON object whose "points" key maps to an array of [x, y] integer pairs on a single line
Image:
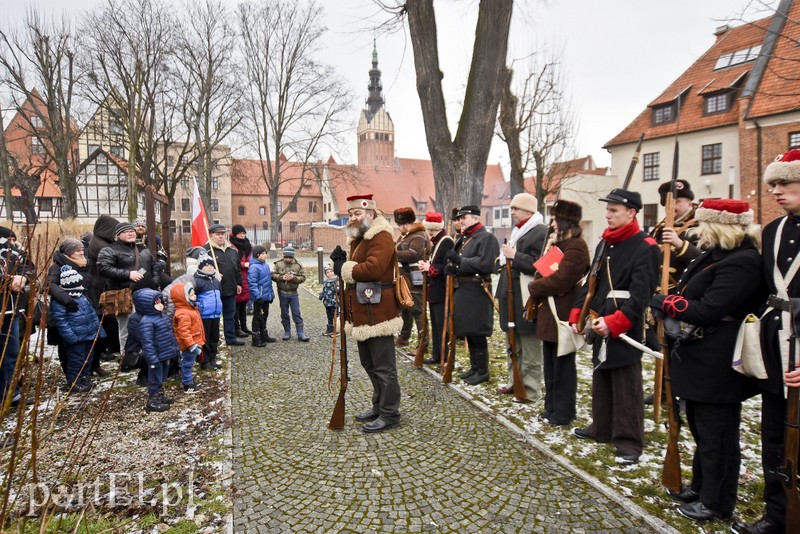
{"points": [[548, 264]]}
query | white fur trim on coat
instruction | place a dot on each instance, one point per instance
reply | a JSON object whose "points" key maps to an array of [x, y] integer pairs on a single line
{"points": [[782, 171], [347, 272], [362, 333], [723, 217]]}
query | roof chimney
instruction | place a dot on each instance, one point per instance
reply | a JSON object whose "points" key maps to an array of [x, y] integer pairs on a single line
{"points": [[722, 30]]}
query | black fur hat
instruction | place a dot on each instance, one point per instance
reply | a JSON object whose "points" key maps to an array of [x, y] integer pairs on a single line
{"points": [[569, 211], [682, 190]]}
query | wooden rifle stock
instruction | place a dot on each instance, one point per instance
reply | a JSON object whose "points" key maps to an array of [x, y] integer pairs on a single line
{"points": [[597, 263], [422, 342], [448, 334], [671, 472], [511, 335], [790, 477], [337, 418]]}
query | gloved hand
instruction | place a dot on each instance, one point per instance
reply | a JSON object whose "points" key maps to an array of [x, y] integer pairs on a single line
{"points": [[72, 306], [453, 256], [338, 257], [450, 269], [657, 301]]}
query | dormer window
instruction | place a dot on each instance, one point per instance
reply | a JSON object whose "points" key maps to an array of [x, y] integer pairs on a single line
{"points": [[738, 57], [717, 103], [664, 114]]}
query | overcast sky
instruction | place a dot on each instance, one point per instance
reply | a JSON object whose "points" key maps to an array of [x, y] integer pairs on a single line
{"points": [[618, 55]]}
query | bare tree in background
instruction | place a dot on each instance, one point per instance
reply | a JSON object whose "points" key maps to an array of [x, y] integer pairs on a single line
{"points": [[295, 106], [128, 43], [459, 163], [39, 68], [537, 124]]}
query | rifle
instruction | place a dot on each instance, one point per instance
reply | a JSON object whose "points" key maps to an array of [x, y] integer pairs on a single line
{"points": [[337, 418], [634, 161], [597, 264], [448, 334], [671, 472], [511, 335], [791, 443], [419, 352]]}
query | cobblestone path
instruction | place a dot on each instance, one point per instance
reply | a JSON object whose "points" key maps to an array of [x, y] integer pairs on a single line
{"points": [[447, 468]]}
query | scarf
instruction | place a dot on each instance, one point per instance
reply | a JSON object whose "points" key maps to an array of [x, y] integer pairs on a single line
{"points": [[521, 229], [618, 235], [242, 245]]}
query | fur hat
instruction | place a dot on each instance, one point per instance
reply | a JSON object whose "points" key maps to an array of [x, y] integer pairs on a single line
{"points": [[725, 211], [288, 251], [123, 227], [682, 190], [433, 221], [71, 281], [404, 216], [70, 245], [203, 260], [238, 229], [361, 202], [569, 211], [785, 168], [525, 201]]}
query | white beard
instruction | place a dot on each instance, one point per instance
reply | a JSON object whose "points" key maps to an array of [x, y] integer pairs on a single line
{"points": [[357, 232]]}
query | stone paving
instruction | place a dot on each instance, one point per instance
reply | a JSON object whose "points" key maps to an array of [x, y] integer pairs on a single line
{"points": [[447, 468]]}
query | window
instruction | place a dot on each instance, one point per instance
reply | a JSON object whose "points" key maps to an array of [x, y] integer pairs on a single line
{"points": [[712, 159], [214, 204], [170, 161], [738, 57], [185, 206], [497, 214], [214, 183], [36, 121], [292, 226], [262, 210], [664, 114], [505, 213], [116, 150], [240, 211], [185, 182], [46, 204], [265, 225], [279, 206], [186, 226], [293, 207], [718, 103], [421, 207], [794, 140], [172, 204], [312, 206], [36, 145], [172, 227], [650, 215], [92, 148], [115, 127], [651, 165]]}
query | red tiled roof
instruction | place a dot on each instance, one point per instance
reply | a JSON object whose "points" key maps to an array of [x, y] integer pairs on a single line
{"points": [[698, 79], [247, 178]]}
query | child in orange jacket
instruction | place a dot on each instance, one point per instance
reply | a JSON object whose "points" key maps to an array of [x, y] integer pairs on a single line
{"points": [[188, 330]]}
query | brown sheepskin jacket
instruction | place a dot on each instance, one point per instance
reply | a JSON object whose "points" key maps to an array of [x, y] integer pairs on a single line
{"points": [[372, 259]]}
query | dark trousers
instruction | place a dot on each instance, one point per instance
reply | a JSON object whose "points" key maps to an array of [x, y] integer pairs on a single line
{"points": [[330, 312], [378, 360], [229, 317], [412, 315], [211, 329], [478, 354], [715, 466], [437, 319], [241, 316], [9, 352], [79, 361], [110, 343], [560, 384], [260, 315], [773, 420], [617, 414], [155, 377]]}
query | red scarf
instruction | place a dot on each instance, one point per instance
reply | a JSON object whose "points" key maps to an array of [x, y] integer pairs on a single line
{"points": [[618, 235], [471, 230], [522, 223]]}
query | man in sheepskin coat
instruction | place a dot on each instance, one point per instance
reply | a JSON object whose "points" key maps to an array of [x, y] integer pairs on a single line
{"points": [[412, 247], [372, 313]]}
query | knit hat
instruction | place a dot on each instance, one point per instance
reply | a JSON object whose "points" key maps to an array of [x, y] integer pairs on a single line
{"points": [[525, 201], [216, 228], [122, 227], [69, 246], [724, 211], [238, 229], [140, 222], [288, 251], [258, 250], [361, 202], [404, 216], [71, 281], [682, 190], [5, 233], [569, 211], [203, 260], [433, 221], [785, 168]]}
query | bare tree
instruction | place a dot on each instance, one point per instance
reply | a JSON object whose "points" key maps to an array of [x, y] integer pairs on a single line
{"points": [[295, 106], [39, 67], [129, 43], [537, 125], [459, 163]]}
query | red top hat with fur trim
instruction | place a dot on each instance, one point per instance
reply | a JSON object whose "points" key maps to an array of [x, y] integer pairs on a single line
{"points": [[785, 169], [725, 211]]}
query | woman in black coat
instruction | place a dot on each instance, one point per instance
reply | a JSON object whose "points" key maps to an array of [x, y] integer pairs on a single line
{"points": [[715, 293]]}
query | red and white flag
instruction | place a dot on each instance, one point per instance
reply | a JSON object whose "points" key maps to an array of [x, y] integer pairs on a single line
{"points": [[199, 219]]}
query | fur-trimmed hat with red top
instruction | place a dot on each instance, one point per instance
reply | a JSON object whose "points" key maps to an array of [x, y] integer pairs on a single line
{"points": [[433, 221], [404, 216], [785, 168], [725, 211], [361, 202]]}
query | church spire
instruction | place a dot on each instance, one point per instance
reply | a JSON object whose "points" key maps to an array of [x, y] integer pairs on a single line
{"points": [[375, 99]]}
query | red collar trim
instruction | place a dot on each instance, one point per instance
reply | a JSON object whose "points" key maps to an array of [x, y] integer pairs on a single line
{"points": [[471, 230], [622, 233]]}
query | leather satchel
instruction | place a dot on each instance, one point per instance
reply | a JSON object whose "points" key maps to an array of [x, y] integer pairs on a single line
{"points": [[402, 291], [117, 301]]}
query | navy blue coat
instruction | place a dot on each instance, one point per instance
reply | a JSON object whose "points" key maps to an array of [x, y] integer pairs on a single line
{"points": [[82, 325], [209, 297], [155, 328]]}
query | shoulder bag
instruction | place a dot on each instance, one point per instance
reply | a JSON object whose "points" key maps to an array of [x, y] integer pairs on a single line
{"points": [[568, 341], [402, 291], [119, 301]]}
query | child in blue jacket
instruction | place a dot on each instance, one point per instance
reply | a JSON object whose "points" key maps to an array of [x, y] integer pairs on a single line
{"points": [[330, 287], [259, 278], [158, 345], [78, 329], [209, 302]]}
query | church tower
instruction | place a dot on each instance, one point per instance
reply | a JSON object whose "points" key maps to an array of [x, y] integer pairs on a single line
{"points": [[375, 127]]}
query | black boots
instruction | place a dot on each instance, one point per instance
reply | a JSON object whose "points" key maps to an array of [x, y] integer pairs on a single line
{"points": [[258, 341], [266, 339]]}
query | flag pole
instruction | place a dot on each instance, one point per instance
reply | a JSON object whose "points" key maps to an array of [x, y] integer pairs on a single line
{"points": [[205, 226]]}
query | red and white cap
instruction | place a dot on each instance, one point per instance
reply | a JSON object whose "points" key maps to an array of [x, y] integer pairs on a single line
{"points": [[361, 202], [725, 211], [433, 221], [785, 168]]}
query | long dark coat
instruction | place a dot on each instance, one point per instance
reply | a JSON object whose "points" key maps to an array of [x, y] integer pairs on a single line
{"points": [[562, 285], [529, 248], [635, 265], [229, 267], [474, 309], [721, 288], [437, 283]]}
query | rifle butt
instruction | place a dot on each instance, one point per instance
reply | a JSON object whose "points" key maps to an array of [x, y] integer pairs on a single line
{"points": [[519, 385], [337, 419], [671, 473]]}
